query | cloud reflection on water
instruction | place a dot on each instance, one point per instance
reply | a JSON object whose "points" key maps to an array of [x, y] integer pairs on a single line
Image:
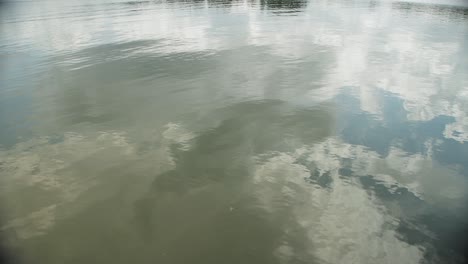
{"points": [[350, 117]]}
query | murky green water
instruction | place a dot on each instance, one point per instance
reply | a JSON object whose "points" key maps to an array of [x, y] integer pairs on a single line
{"points": [[241, 132]]}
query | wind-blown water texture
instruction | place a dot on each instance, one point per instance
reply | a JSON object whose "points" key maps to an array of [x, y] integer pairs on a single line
{"points": [[234, 131]]}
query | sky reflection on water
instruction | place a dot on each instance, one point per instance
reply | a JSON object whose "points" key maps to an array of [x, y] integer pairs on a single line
{"points": [[234, 131]]}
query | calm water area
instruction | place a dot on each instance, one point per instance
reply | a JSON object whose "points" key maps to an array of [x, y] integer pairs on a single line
{"points": [[234, 132]]}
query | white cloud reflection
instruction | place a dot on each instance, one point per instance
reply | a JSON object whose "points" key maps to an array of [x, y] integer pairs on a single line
{"points": [[63, 172], [372, 50], [344, 222], [418, 59]]}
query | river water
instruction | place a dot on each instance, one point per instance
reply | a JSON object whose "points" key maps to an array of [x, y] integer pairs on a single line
{"points": [[264, 131]]}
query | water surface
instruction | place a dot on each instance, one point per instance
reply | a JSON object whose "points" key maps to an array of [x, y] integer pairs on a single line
{"points": [[270, 131]]}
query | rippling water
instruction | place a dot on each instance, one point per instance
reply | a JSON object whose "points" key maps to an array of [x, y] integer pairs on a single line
{"points": [[264, 131]]}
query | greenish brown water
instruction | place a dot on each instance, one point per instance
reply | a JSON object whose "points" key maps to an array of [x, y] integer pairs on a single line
{"points": [[234, 131]]}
